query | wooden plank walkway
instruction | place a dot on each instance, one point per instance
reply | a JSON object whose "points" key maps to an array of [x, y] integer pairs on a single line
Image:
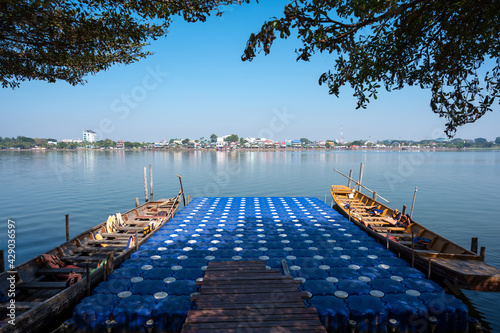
{"points": [[244, 296]]}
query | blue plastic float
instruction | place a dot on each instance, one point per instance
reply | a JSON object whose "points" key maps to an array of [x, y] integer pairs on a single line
{"points": [[354, 281]]}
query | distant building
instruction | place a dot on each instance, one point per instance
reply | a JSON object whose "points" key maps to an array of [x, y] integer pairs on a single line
{"points": [[89, 136], [120, 144], [163, 143]]}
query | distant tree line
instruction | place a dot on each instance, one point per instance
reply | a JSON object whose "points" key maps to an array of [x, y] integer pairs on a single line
{"points": [[23, 142]]}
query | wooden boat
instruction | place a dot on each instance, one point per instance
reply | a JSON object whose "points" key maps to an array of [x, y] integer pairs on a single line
{"points": [[437, 257], [43, 295]]}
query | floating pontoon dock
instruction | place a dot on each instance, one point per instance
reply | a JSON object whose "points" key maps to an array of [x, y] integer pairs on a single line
{"points": [[353, 282]]}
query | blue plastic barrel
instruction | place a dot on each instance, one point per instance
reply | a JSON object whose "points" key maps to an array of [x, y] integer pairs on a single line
{"points": [[451, 314], [132, 313], [92, 312], [409, 311], [319, 287], [170, 313], [332, 311], [369, 312]]}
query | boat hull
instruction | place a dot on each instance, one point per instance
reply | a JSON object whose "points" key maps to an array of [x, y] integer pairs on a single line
{"points": [[464, 270], [50, 313]]}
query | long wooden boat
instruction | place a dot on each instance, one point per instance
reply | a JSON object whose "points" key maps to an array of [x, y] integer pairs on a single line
{"points": [[437, 257], [44, 296]]}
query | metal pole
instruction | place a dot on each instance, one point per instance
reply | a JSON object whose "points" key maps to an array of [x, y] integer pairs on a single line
{"points": [[146, 184], [182, 189], [362, 166], [413, 203], [151, 179], [67, 227], [350, 177]]}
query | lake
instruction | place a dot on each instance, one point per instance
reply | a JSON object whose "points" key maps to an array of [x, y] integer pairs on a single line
{"points": [[457, 193]]}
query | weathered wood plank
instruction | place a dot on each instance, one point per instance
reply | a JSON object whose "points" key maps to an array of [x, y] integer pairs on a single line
{"points": [[42, 285]]}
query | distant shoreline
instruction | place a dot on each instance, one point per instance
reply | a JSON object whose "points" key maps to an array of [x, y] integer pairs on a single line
{"points": [[253, 149]]}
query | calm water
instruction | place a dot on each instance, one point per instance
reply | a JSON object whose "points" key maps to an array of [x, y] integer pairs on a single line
{"points": [[457, 191]]}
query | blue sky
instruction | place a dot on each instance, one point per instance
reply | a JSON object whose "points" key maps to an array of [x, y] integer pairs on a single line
{"points": [[196, 84]]}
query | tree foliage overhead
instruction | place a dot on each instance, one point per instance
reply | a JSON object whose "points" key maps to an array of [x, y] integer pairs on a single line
{"points": [[440, 45], [66, 40]]}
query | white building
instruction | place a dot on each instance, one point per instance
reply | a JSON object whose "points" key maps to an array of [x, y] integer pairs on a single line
{"points": [[89, 136]]}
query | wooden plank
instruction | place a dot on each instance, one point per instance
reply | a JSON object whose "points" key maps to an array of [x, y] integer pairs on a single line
{"points": [[257, 317], [21, 306], [434, 254], [246, 298], [249, 312], [54, 271], [306, 323], [42, 285], [382, 229], [243, 283], [92, 249], [237, 290], [253, 330], [108, 241], [203, 305]]}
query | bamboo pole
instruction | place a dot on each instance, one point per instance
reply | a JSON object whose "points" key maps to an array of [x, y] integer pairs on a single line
{"points": [[375, 195], [413, 203], [136, 201], [366, 188], [412, 249], [67, 227], [151, 179], [350, 177], [404, 210], [146, 184], [182, 189], [361, 168], [429, 269]]}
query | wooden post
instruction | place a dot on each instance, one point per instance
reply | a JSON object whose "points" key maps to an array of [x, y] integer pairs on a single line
{"points": [[473, 245], [404, 210], [387, 239], [481, 254], [87, 273], [146, 184], [108, 267], [375, 195], [136, 241], [286, 271], [182, 189], [67, 227], [136, 201], [350, 177], [362, 166], [429, 269], [413, 203], [2, 262], [151, 181], [325, 198], [412, 249]]}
